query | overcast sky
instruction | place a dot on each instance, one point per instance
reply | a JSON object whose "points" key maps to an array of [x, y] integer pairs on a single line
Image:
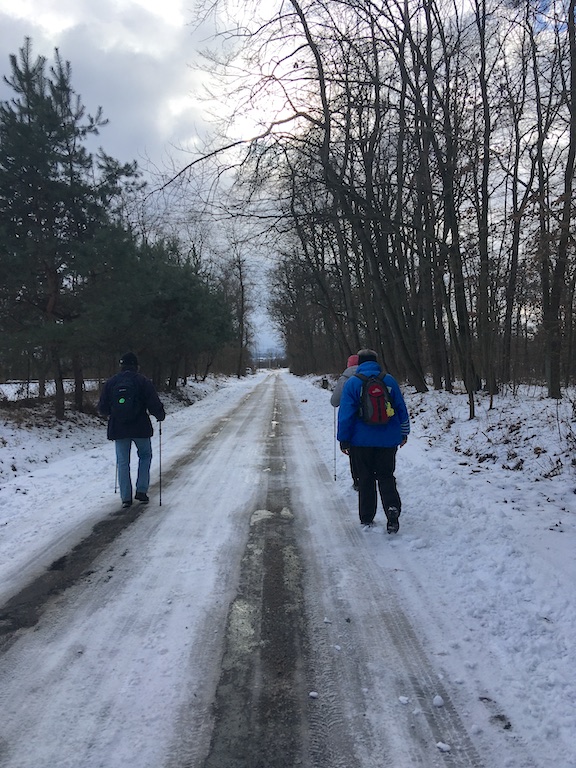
{"points": [[131, 57]]}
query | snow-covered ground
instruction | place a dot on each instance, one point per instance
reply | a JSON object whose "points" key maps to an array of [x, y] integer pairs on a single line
{"points": [[488, 547], [55, 476], [484, 563]]}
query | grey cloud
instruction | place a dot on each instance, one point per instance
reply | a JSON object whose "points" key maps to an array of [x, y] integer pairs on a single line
{"points": [[132, 87]]}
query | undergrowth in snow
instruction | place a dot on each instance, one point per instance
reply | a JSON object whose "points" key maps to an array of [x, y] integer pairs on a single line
{"points": [[524, 431]]}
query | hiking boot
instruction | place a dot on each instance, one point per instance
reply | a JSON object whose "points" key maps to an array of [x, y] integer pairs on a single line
{"points": [[126, 504], [141, 496], [393, 525], [367, 526]]}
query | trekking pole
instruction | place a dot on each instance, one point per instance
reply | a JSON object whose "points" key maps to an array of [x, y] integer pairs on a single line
{"points": [[334, 444], [160, 463]]}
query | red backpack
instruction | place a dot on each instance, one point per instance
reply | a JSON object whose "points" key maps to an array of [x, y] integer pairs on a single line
{"points": [[375, 404]]}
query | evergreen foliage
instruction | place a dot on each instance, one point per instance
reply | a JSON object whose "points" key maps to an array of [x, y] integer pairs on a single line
{"points": [[77, 286]]}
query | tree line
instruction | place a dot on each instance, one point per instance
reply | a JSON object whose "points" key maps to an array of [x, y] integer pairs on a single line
{"points": [[417, 157], [80, 280]]}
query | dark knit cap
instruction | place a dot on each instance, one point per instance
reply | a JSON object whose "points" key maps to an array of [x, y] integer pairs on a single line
{"points": [[129, 360], [365, 355]]}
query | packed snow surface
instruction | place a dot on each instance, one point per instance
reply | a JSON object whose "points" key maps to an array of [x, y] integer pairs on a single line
{"points": [[484, 563]]}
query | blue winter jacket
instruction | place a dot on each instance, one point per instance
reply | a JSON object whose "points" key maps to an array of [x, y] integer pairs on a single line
{"points": [[351, 428]]}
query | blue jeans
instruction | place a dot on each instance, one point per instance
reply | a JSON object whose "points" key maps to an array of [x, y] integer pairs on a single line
{"points": [[144, 450]]}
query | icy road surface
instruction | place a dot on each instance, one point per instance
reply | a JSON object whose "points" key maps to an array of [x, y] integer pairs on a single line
{"points": [[247, 622]]}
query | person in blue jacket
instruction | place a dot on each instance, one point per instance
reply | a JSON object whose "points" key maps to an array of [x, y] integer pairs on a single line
{"points": [[373, 446], [137, 430]]}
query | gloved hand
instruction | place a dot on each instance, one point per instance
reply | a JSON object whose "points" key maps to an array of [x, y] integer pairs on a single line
{"points": [[345, 446]]}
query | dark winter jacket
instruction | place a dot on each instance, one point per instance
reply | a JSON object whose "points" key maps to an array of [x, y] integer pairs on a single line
{"points": [[141, 426], [351, 428]]}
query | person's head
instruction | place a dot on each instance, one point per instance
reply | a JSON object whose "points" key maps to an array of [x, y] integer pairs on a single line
{"points": [[366, 355], [352, 360], [129, 362]]}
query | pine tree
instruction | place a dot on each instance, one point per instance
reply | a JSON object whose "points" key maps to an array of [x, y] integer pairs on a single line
{"points": [[54, 199]]}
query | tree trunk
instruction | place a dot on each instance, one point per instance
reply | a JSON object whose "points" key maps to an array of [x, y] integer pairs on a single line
{"points": [[59, 397], [554, 322], [78, 383]]}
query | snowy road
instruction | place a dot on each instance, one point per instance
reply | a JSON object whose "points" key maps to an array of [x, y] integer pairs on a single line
{"points": [[195, 638]]}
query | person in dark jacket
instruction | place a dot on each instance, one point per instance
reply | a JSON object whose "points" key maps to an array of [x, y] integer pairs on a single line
{"points": [[373, 446], [137, 429], [351, 365]]}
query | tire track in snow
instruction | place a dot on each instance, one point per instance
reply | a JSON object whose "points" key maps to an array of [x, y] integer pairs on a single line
{"points": [[261, 699], [24, 609], [365, 651], [104, 675]]}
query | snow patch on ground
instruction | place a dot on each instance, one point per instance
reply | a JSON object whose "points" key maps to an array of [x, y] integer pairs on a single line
{"points": [[484, 562]]}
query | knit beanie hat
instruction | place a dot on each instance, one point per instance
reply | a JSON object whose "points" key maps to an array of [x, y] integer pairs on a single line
{"points": [[366, 355], [129, 360], [352, 360]]}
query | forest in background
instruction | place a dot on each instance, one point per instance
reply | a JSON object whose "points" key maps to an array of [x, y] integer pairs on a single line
{"points": [[417, 159], [409, 173]]}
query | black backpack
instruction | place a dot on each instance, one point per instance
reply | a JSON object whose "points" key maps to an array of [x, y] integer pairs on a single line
{"points": [[375, 404], [126, 401]]}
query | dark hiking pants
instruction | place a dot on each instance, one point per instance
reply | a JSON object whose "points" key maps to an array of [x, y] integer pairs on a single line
{"points": [[375, 467], [353, 469]]}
